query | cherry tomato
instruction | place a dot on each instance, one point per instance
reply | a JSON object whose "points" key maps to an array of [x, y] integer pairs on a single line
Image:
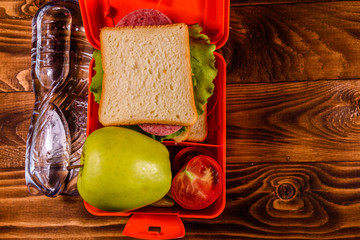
{"points": [[185, 155], [198, 184]]}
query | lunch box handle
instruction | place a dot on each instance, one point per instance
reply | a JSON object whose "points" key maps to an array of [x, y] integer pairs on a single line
{"points": [[146, 226]]}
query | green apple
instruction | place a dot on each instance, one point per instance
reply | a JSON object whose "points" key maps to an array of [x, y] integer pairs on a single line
{"points": [[123, 170]]}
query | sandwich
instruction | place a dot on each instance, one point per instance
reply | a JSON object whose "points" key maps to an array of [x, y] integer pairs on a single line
{"points": [[154, 76], [147, 76]]}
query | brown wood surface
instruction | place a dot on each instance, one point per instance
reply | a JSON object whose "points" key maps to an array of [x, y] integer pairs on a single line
{"points": [[293, 128]]}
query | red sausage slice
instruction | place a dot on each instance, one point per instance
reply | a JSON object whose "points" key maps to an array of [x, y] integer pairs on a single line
{"points": [[160, 129], [144, 17]]}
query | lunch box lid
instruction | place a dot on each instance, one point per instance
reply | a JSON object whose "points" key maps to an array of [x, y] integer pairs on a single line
{"points": [[211, 15]]}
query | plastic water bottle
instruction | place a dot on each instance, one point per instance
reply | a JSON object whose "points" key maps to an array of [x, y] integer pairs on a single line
{"points": [[60, 57]]}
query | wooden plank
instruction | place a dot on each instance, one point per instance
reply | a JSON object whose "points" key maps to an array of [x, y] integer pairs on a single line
{"points": [[235, 3], [264, 201], [19, 8], [293, 42], [15, 51], [15, 113], [44, 217], [324, 203], [15, 43], [267, 43], [271, 122], [293, 122]]}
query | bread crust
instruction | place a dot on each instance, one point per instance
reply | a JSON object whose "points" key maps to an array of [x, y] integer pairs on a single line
{"points": [[203, 124], [192, 135], [110, 122], [183, 136]]}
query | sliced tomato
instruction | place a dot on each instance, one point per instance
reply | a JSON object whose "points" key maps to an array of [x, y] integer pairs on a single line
{"points": [[185, 155], [198, 184]]}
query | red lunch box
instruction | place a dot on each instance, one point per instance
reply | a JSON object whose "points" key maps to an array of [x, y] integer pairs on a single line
{"points": [[213, 16]]}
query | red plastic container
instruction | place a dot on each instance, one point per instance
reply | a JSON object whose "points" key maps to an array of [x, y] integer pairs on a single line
{"points": [[213, 16]]}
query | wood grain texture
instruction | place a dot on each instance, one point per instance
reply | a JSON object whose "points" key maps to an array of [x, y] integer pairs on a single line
{"points": [[325, 206], [293, 42], [293, 110], [19, 8], [15, 114], [293, 122], [43, 217], [15, 48], [326, 194], [15, 44], [237, 3]]}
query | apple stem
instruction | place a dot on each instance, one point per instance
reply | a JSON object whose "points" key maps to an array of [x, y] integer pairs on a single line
{"points": [[75, 166]]}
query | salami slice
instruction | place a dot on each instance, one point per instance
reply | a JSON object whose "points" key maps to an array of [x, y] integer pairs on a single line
{"points": [[144, 17], [160, 129]]}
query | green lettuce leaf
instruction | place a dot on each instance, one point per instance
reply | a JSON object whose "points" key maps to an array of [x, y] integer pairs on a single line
{"points": [[202, 66], [169, 137], [96, 80]]}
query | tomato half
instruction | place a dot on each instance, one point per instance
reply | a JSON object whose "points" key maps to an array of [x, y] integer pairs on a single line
{"points": [[198, 184]]}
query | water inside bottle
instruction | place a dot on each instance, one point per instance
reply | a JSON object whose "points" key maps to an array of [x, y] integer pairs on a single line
{"points": [[60, 59]]}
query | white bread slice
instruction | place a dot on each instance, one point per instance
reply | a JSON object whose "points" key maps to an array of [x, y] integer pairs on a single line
{"points": [[182, 137], [147, 76], [197, 132]]}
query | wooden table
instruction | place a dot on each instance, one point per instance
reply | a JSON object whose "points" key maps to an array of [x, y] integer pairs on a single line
{"points": [[293, 128]]}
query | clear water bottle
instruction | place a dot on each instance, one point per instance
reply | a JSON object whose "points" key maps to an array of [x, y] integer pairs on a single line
{"points": [[60, 57]]}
